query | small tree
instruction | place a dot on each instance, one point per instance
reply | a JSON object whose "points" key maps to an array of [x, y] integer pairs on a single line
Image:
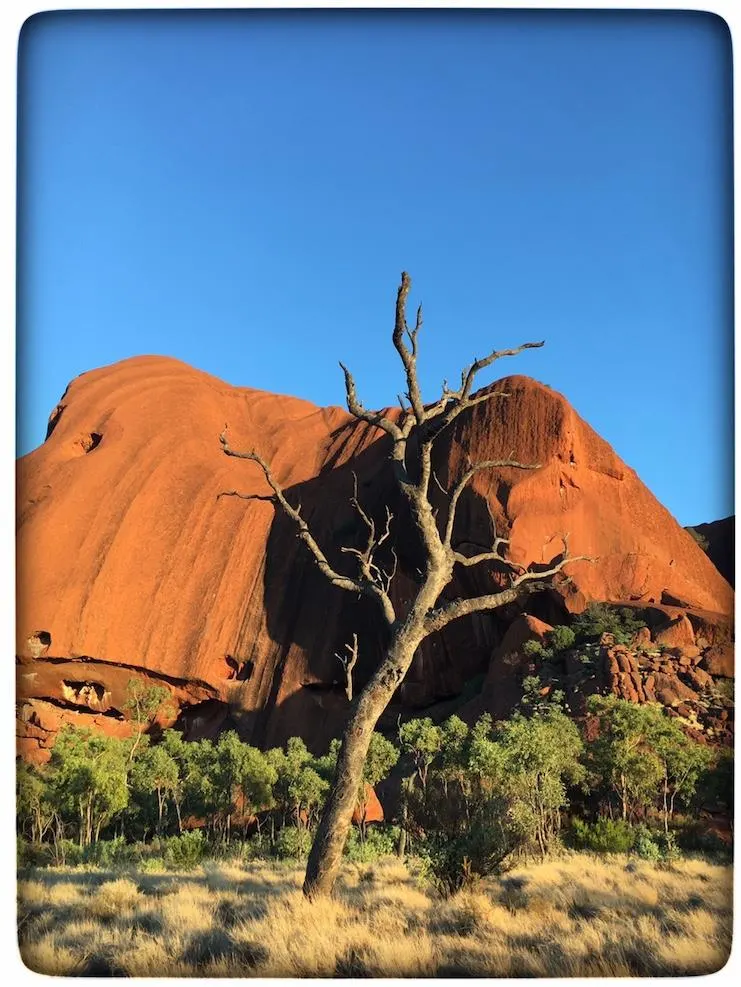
{"points": [[143, 703], [35, 809], [88, 777], [423, 741], [453, 754], [540, 758], [258, 778], [154, 772], [685, 762], [412, 434], [625, 752]]}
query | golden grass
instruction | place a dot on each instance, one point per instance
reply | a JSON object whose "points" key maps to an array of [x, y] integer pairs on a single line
{"points": [[577, 915]]}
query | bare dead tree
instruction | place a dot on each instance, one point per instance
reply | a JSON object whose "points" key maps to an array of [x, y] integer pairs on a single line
{"points": [[348, 663], [424, 615]]}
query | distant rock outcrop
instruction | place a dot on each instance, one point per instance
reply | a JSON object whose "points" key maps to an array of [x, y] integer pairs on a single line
{"points": [[138, 559], [719, 541]]}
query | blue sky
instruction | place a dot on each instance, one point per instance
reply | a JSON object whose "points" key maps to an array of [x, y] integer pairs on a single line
{"points": [[242, 190]]}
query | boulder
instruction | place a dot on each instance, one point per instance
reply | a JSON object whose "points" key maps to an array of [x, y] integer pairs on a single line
{"points": [[677, 634], [718, 660]]}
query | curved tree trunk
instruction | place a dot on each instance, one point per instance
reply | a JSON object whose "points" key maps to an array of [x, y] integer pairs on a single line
{"points": [[326, 851]]}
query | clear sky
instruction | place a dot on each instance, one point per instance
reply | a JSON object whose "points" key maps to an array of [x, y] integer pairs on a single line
{"points": [[242, 190]]}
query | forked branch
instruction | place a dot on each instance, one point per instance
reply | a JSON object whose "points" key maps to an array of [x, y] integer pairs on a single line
{"points": [[529, 580], [474, 468], [362, 586], [348, 663]]}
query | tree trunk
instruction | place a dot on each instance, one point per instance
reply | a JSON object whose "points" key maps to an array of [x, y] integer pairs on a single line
{"points": [[665, 804], [326, 851]]}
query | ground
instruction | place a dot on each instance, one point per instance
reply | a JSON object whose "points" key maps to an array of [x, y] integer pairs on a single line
{"points": [[576, 915]]}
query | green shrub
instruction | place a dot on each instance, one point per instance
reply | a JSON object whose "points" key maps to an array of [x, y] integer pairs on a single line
{"points": [[380, 841], [150, 864], [32, 854], [603, 836], [561, 638], [669, 847], [602, 618], [534, 649], [186, 851], [111, 853], [66, 853], [453, 864], [645, 846], [292, 843]]}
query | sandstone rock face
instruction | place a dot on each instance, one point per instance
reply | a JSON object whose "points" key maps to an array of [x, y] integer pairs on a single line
{"points": [[137, 559], [371, 811]]}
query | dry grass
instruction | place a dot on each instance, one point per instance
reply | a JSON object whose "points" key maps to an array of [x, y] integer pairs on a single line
{"points": [[578, 915]]}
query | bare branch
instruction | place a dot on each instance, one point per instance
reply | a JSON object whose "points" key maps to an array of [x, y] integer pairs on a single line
{"points": [[390, 575], [355, 407], [387, 529], [469, 374], [363, 587], [348, 662], [465, 479], [529, 581], [408, 357], [369, 523], [439, 485], [493, 555]]}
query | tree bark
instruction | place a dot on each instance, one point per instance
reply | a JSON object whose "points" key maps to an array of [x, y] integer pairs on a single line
{"points": [[326, 851]]}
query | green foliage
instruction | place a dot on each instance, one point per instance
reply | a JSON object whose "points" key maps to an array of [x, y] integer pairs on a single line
{"points": [[67, 853], [535, 649], [423, 740], [496, 790], [327, 764], [380, 759], [715, 785], [604, 835], [540, 759], [476, 795], [32, 854], [111, 853], [645, 847], [561, 638], [533, 703], [639, 752], [144, 702], [379, 841], [88, 780], [152, 865], [186, 851], [35, 810], [603, 618], [292, 843], [457, 862], [669, 847], [723, 690]]}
